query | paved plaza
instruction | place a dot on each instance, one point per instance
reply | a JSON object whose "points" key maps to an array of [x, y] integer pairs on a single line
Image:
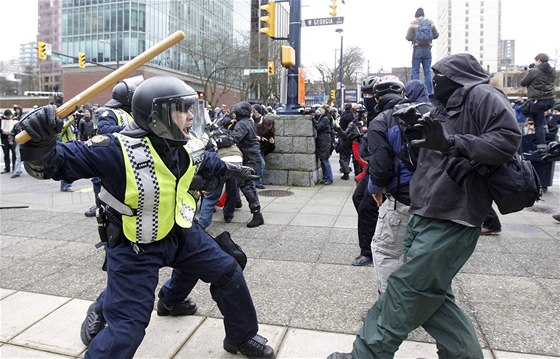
{"points": [[308, 296]]}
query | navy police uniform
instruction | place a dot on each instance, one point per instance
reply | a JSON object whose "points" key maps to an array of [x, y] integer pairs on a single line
{"points": [[133, 267]]}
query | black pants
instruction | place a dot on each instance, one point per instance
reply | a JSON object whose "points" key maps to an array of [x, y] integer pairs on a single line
{"points": [[8, 148], [249, 190], [344, 155], [367, 215]]}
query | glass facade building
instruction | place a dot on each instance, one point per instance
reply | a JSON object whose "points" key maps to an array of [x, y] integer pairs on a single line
{"points": [[109, 29]]}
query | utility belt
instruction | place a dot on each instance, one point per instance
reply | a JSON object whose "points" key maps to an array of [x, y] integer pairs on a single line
{"points": [[109, 227]]}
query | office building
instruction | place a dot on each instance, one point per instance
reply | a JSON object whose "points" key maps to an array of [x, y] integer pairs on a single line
{"points": [[110, 33], [470, 26], [507, 54]]}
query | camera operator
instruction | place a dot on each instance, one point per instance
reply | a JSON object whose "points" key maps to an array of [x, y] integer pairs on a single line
{"points": [[539, 81]]}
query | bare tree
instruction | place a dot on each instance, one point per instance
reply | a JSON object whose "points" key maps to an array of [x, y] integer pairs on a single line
{"points": [[352, 62], [218, 63]]}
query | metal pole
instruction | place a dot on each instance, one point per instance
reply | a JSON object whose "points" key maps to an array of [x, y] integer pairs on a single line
{"points": [[339, 92], [294, 39]]}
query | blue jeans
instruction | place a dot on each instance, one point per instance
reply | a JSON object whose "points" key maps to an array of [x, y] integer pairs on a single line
{"points": [[423, 55], [260, 170], [327, 171], [65, 185], [210, 199]]}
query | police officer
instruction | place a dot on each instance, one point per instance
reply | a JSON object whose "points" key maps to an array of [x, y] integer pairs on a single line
{"points": [[114, 118], [147, 175]]}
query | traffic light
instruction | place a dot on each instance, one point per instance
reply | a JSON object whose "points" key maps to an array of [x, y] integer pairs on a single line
{"points": [[333, 6], [82, 59], [42, 50], [333, 94], [270, 68], [269, 19]]}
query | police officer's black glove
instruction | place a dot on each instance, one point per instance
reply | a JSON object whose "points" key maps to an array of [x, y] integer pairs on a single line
{"points": [[435, 137], [241, 172], [43, 126]]}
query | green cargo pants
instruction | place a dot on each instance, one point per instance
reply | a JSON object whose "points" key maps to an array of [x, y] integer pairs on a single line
{"points": [[419, 294]]}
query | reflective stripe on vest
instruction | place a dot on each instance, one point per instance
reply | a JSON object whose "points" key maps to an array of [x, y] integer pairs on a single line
{"points": [[123, 117], [151, 189]]}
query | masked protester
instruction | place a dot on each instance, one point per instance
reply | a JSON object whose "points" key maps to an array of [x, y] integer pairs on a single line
{"points": [[449, 201], [150, 215]]}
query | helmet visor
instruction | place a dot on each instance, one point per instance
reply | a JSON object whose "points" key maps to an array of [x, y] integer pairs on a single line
{"points": [[200, 120], [172, 117]]}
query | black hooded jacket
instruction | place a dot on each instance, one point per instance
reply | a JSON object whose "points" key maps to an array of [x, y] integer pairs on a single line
{"points": [[540, 82], [483, 125], [244, 134]]}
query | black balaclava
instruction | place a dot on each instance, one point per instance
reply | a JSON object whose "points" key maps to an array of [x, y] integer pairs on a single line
{"points": [[370, 103], [444, 88]]}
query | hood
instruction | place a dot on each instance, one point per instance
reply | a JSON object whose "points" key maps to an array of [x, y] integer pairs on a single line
{"points": [[545, 67], [463, 69], [415, 90]]}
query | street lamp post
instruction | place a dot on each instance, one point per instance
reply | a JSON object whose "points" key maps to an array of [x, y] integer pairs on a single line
{"points": [[114, 48], [339, 87]]}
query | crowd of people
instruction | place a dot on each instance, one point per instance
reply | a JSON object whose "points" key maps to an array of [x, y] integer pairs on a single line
{"points": [[421, 207]]}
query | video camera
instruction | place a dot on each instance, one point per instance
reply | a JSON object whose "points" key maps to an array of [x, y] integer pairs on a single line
{"points": [[410, 113]]}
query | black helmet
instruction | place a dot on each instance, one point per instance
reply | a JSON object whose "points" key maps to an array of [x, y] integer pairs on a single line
{"points": [[368, 83], [388, 84], [123, 91], [242, 110], [155, 101]]}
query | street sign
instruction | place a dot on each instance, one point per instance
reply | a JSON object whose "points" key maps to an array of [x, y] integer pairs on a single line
{"points": [[335, 20], [254, 71]]}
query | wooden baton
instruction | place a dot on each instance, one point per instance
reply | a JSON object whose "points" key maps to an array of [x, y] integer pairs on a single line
{"points": [[112, 78]]}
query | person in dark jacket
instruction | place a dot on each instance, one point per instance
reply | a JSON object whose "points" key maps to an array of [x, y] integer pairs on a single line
{"points": [[86, 126], [540, 88], [322, 123], [265, 134], [345, 144], [449, 201], [244, 135], [392, 166]]}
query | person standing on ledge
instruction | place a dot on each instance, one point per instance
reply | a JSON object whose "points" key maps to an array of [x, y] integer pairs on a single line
{"points": [[421, 32]]}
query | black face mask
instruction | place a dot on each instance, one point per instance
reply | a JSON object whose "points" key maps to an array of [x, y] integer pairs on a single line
{"points": [[370, 103], [444, 88]]}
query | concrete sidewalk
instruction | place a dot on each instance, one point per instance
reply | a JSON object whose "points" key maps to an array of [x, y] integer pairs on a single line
{"points": [[308, 296]]}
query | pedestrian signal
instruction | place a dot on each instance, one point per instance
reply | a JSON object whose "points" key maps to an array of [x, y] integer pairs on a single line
{"points": [[270, 68], [269, 19], [82, 59], [41, 50]]}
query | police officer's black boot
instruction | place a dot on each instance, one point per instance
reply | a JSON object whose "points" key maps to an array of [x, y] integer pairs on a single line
{"points": [[186, 307], [92, 325], [253, 348], [257, 216]]}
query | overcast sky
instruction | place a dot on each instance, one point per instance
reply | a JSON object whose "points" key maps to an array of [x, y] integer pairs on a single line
{"points": [[377, 26]]}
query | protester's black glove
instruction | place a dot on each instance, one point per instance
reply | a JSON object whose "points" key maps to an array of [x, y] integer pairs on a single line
{"points": [[241, 172], [409, 115], [435, 137], [43, 126]]}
